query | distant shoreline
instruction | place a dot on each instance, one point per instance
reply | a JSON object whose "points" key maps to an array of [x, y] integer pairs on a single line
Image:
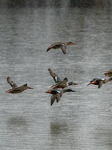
{"points": [[55, 3]]}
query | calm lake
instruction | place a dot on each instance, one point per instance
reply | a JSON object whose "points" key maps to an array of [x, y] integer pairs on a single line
{"points": [[81, 120]]}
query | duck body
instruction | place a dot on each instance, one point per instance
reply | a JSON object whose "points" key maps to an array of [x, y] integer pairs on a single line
{"points": [[61, 45], [55, 45], [15, 89], [18, 89], [61, 84]]}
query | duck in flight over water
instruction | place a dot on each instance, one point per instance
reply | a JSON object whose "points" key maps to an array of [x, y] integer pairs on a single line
{"points": [[59, 82], [57, 94], [61, 45], [99, 81], [15, 89], [58, 89]]}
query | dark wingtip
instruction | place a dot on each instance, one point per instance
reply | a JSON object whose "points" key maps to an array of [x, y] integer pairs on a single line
{"points": [[48, 49], [8, 78], [52, 103]]}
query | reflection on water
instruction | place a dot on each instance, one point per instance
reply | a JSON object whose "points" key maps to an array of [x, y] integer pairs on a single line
{"points": [[58, 127], [17, 124], [81, 120]]}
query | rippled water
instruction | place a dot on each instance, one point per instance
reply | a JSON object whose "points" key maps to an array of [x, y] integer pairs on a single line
{"points": [[81, 120]]}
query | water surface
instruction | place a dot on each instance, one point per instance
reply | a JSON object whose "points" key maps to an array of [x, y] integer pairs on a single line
{"points": [[81, 120]]}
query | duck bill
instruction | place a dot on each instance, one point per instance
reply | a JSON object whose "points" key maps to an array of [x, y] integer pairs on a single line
{"points": [[8, 91], [73, 44], [105, 73], [47, 92], [30, 88], [88, 84], [92, 83]]}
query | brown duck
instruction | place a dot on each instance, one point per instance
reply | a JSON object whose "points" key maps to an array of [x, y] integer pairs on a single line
{"points": [[99, 81], [61, 45], [57, 94], [15, 89], [63, 84], [108, 73]]}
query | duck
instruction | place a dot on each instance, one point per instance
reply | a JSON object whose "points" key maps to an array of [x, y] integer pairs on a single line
{"points": [[59, 82], [63, 84], [99, 81], [57, 94], [15, 89], [108, 73], [61, 45]]}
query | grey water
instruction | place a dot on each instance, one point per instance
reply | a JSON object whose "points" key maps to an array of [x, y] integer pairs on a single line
{"points": [[81, 120]]}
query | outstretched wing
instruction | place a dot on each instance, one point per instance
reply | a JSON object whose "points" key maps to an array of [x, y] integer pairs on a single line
{"points": [[52, 99], [52, 46], [54, 75], [100, 84], [12, 83], [58, 96], [63, 48], [49, 48]]}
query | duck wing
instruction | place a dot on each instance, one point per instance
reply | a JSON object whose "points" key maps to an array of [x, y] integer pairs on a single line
{"points": [[63, 48], [58, 96], [12, 83], [54, 75], [100, 84], [52, 99], [55, 46]]}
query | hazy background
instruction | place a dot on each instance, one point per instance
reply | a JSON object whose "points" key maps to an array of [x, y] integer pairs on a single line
{"points": [[81, 120]]}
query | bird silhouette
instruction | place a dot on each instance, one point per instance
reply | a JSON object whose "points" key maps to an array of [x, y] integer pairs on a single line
{"points": [[99, 81], [15, 89], [57, 94], [61, 45]]}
